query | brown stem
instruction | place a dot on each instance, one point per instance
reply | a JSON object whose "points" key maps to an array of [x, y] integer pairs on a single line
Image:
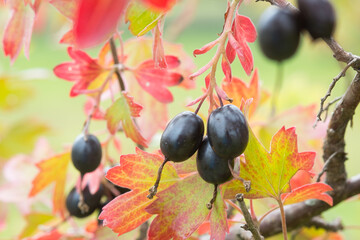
{"points": [[283, 219], [116, 61], [153, 189], [210, 204], [250, 225]]}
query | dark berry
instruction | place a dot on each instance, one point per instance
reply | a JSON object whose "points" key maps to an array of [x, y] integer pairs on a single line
{"points": [[212, 168], [91, 200], [279, 33], [86, 153], [182, 136], [228, 132], [318, 17]]}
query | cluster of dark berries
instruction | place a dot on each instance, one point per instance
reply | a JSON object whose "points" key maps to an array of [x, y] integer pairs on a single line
{"points": [[279, 28], [227, 138], [86, 154]]}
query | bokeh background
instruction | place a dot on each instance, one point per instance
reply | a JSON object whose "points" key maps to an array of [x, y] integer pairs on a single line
{"points": [[45, 100]]}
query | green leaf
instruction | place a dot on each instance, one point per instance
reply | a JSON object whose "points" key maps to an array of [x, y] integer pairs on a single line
{"points": [[34, 220], [21, 137], [141, 18]]}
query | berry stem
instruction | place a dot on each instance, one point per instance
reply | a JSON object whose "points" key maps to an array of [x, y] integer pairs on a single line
{"points": [[84, 208], [220, 100], [247, 184], [277, 88], [210, 204], [153, 189]]}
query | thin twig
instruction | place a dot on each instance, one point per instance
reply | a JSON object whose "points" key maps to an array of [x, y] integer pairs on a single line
{"points": [[325, 166], [153, 189], [332, 85], [116, 61], [250, 225], [143, 231], [326, 110], [210, 204]]}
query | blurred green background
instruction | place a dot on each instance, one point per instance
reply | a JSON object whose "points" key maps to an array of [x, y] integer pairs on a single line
{"points": [[306, 78]]}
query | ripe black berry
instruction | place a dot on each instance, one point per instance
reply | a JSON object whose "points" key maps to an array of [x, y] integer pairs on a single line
{"points": [[228, 132], [212, 168], [179, 141], [182, 136], [86, 153], [92, 201], [279, 33], [318, 17]]}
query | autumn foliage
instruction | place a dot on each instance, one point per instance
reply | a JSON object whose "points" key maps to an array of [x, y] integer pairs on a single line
{"points": [[128, 87]]}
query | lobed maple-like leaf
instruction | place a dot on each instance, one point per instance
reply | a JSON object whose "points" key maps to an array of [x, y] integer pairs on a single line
{"points": [[18, 29], [52, 170], [83, 71], [181, 209], [243, 31], [96, 20], [238, 90], [141, 18], [33, 221], [270, 172], [137, 172], [309, 191], [156, 80], [122, 111], [218, 219]]}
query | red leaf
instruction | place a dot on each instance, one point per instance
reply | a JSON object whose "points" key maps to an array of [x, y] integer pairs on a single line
{"points": [[53, 235], [309, 191], [96, 20], [205, 48], [225, 65], [160, 5], [155, 80], [243, 32], [158, 48], [83, 71], [137, 172], [18, 30], [68, 38]]}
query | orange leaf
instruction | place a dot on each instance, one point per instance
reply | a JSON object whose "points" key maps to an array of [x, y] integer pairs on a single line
{"points": [[237, 90], [309, 191], [122, 110], [52, 170], [137, 172], [270, 172]]}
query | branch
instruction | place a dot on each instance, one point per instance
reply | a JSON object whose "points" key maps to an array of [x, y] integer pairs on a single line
{"points": [[319, 222], [300, 214], [250, 225], [116, 61]]}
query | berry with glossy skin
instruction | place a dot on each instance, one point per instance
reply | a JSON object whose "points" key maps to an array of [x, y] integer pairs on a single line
{"points": [[279, 33], [318, 17], [86, 153], [228, 132], [182, 136], [212, 168], [92, 201]]}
